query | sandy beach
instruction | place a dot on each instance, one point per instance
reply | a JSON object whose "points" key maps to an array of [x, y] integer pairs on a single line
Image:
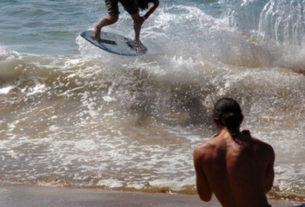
{"points": [[38, 196]]}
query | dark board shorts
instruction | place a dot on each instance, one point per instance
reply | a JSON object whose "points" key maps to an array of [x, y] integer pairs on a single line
{"points": [[130, 6]]}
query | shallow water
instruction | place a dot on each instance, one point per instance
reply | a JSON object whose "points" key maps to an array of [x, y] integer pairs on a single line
{"points": [[74, 115]]}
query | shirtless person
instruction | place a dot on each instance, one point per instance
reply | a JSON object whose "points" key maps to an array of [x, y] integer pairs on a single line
{"points": [[233, 165], [132, 7]]}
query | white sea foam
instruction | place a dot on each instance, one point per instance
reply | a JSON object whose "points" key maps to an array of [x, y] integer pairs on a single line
{"points": [[6, 90]]}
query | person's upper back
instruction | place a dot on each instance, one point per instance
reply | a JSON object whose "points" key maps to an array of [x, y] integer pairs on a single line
{"points": [[236, 168]]}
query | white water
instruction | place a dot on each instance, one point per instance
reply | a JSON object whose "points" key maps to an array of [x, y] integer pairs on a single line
{"points": [[89, 118]]}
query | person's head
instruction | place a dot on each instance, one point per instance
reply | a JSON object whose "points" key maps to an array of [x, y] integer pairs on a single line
{"points": [[227, 113]]}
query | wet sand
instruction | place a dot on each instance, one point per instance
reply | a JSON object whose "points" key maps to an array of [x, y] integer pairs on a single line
{"points": [[38, 196]]}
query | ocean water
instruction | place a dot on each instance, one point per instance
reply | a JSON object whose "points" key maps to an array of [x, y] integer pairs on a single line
{"points": [[73, 115]]}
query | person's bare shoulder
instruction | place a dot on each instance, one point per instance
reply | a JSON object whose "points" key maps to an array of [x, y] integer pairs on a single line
{"points": [[206, 151], [263, 147]]}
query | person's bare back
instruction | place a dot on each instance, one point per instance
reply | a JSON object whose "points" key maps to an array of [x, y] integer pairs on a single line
{"points": [[238, 170]]}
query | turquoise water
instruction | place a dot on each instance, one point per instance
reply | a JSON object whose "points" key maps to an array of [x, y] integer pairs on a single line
{"points": [[73, 115], [47, 27], [50, 27]]}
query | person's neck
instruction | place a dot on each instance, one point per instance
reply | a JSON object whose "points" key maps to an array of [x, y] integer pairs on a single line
{"points": [[222, 132]]}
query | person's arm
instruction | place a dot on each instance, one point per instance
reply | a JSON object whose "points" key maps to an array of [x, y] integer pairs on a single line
{"points": [[151, 9], [202, 184], [269, 177]]}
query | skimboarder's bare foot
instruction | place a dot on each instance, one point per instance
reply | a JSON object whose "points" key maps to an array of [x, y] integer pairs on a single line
{"points": [[137, 45], [97, 33]]}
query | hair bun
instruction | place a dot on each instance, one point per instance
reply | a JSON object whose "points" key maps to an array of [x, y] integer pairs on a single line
{"points": [[229, 119]]}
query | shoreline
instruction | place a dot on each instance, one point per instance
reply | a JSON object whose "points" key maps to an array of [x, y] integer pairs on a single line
{"points": [[24, 195]]}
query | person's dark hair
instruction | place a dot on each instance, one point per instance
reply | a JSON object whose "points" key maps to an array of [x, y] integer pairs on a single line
{"points": [[227, 113], [143, 4]]}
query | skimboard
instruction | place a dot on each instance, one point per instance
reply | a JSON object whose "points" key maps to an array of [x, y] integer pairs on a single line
{"points": [[114, 43]]}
